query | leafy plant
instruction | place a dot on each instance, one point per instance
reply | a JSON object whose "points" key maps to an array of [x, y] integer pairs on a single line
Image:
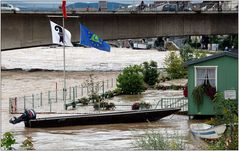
{"points": [[141, 105], [174, 66], [150, 72], [198, 93], [95, 97], [154, 140], [104, 105], [227, 113], [131, 81], [198, 54], [27, 144], [7, 141], [84, 101], [186, 52]]}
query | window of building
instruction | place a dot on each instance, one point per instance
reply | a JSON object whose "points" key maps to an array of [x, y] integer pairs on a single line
{"points": [[205, 72]]}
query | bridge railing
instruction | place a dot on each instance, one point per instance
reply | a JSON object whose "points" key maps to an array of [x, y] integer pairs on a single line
{"points": [[124, 6]]}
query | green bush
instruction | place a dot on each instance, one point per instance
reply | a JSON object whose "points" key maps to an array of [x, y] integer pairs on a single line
{"points": [[104, 105], [153, 140], [7, 141], [84, 101], [174, 66], [117, 91], [131, 81], [186, 52], [224, 142], [150, 72], [227, 111]]}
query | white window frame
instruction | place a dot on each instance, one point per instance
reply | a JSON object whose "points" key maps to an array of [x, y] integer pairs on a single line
{"points": [[195, 77]]}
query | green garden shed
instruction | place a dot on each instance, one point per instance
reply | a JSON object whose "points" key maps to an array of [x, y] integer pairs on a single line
{"points": [[220, 70]]}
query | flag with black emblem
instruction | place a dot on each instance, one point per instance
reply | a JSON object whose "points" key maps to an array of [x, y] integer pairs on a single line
{"points": [[87, 38], [57, 35]]}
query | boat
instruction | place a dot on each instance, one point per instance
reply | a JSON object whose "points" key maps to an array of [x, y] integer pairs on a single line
{"points": [[133, 116], [207, 131]]}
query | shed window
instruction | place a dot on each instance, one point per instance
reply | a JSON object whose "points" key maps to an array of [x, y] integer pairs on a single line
{"points": [[202, 73]]}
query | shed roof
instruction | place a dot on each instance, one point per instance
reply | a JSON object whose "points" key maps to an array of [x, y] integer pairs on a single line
{"points": [[218, 55]]}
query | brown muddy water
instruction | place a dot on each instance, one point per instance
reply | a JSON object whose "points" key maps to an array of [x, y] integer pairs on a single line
{"points": [[107, 137]]}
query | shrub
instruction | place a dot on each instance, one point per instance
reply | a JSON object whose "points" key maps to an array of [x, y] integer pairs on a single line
{"points": [[7, 141], [27, 144], [141, 105], [95, 97], [117, 91], [199, 54], [131, 81], [150, 72], [153, 140], [84, 101], [186, 52], [174, 66], [104, 105]]}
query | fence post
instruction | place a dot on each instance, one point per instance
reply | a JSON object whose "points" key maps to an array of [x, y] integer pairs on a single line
{"points": [[70, 93], [41, 98], [107, 83], [49, 96], [56, 92], [50, 103], [112, 82], [82, 90], [161, 103], [103, 87], [32, 101], [24, 99], [73, 94], [10, 105], [93, 88], [76, 91]]}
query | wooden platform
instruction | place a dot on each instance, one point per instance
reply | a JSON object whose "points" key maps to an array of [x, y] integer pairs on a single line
{"points": [[102, 118]]}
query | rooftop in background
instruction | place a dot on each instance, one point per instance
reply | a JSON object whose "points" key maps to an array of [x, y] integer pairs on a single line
{"points": [[233, 54]]}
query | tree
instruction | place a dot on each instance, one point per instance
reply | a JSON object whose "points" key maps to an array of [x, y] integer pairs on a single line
{"points": [[174, 66], [150, 72], [131, 81], [186, 52]]}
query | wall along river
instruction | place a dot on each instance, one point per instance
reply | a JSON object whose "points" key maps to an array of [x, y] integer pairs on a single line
{"points": [[103, 65]]}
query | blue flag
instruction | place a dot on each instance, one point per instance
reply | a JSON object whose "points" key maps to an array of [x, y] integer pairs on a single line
{"points": [[87, 38]]}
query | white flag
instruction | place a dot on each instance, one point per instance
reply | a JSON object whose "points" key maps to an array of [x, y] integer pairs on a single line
{"points": [[57, 35]]}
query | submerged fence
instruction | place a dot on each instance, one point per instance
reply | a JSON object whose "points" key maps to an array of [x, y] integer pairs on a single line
{"points": [[52, 101]]}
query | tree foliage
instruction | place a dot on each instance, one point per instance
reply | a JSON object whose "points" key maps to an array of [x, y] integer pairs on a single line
{"points": [[131, 81], [174, 66], [150, 72], [186, 52]]}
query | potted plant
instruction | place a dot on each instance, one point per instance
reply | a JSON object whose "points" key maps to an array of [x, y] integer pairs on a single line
{"points": [[205, 88]]}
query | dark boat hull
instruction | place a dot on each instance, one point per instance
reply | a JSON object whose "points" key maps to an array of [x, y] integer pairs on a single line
{"points": [[103, 118]]}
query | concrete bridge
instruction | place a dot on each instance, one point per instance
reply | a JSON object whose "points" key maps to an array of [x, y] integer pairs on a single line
{"points": [[33, 29]]}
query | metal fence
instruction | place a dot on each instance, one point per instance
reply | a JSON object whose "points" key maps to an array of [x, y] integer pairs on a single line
{"points": [[52, 101], [179, 102], [47, 103], [125, 6]]}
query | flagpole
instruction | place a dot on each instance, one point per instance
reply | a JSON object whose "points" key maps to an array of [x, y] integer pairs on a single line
{"points": [[64, 62]]}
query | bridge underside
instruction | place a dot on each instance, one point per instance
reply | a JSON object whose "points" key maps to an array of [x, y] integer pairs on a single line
{"points": [[27, 30]]}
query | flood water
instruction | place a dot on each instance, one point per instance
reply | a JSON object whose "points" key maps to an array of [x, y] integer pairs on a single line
{"points": [[112, 136]]}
